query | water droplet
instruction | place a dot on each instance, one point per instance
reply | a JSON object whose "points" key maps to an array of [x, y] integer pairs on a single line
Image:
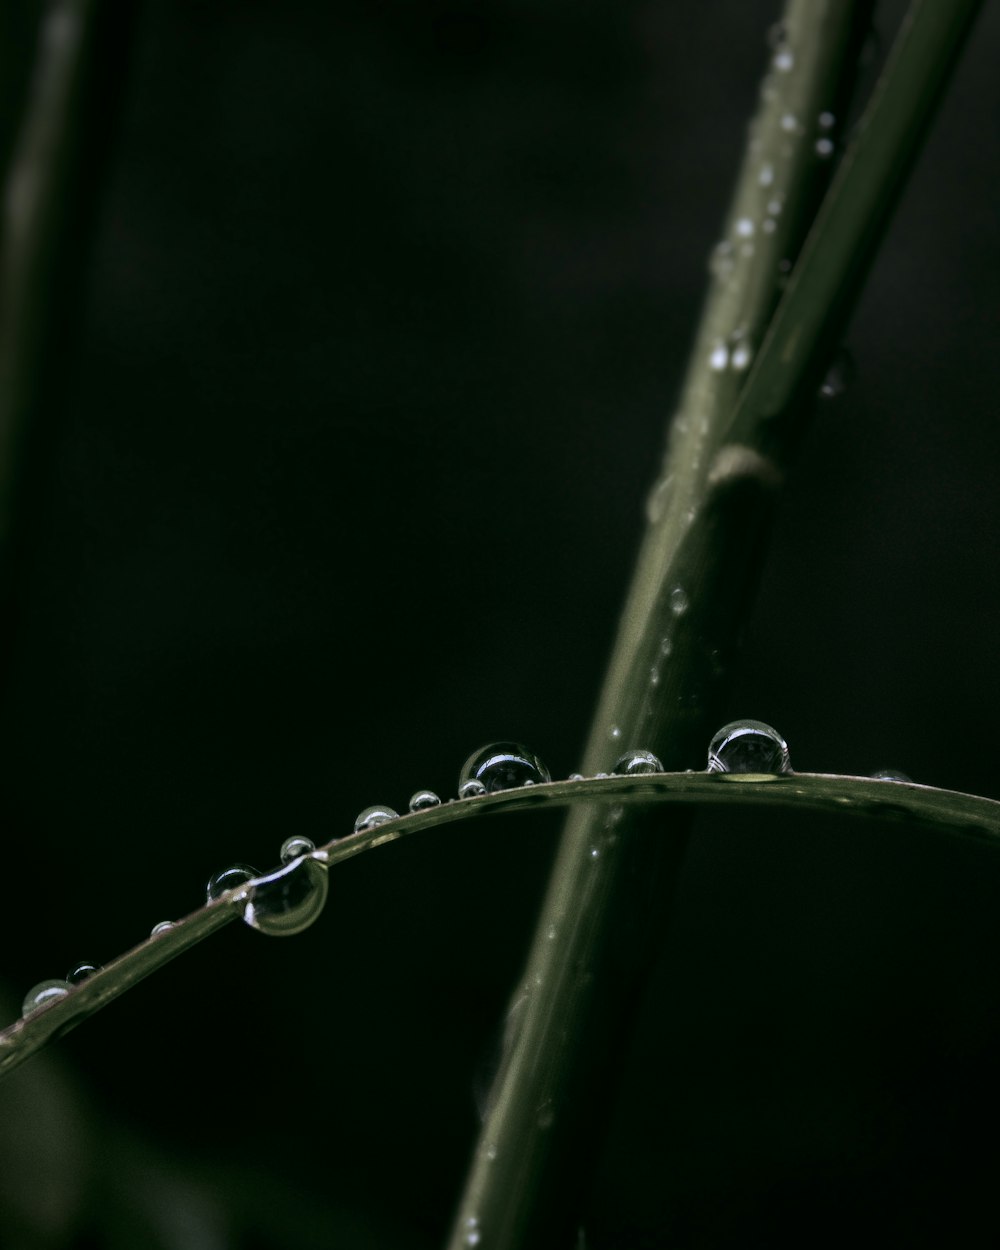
{"points": [[287, 901], [654, 676], [377, 814], [551, 935], [890, 774], [720, 260], [776, 35], [503, 766], [163, 927], [471, 789], [748, 746], [546, 1115], [826, 121], [774, 206], [678, 601], [635, 763], [472, 1231], [80, 972], [666, 646], [295, 846], [615, 732], [719, 357], [228, 879], [744, 227], [424, 799], [839, 376], [742, 355], [766, 175], [595, 852], [824, 148], [576, 776], [44, 994], [783, 61], [789, 123], [491, 1152], [656, 501], [768, 225]]}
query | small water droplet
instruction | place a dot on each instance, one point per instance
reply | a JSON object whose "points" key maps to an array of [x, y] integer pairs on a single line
{"points": [[80, 972], [163, 927], [502, 766], [748, 746], [774, 206], [377, 814], [890, 774], [228, 879], [472, 1231], [635, 763], [783, 61], [719, 357], [766, 175], [824, 148], [666, 646], [295, 846], [424, 799], [551, 935], [546, 1115], [720, 259], [44, 994], [742, 355], [289, 900], [615, 732], [744, 227], [654, 676], [576, 776], [471, 789], [491, 1152], [595, 852], [768, 225], [839, 376], [656, 501], [826, 121], [789, 123], [678, 601]]}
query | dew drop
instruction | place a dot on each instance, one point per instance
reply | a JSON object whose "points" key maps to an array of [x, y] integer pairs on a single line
{"points": [[228, 879], [576, 776], [774, 206], [472, 1231], [744, 227], [748, 746], [678, 601], [742, 354], [890, 774], [789, 123], [423, 799], [595, 852], [289, 900], [768, 225], [615, 732], [824, 148], [377, 814], [546, 1115], [766, 175], [503, 766], [44, 994], [826, 121], [839, 376], [719, 357], [783, 61], [163, 927], [720, 260], [666, 646], [80, 972], [295, 846], [635, 763], [471, 789]]}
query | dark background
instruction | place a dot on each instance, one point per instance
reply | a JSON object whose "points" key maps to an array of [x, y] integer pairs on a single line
{"points": [[384, 313]]}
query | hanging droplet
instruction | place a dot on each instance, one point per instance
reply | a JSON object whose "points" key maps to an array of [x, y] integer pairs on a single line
{"points": [[635, 763], [44, 994], [80, 972], [295, 846], [423, 799], [839, 376], [377, 814], [748, 746], [890, 774], [228, 879], [471, 789], [289, 900], [163, 927], [503, 766]]}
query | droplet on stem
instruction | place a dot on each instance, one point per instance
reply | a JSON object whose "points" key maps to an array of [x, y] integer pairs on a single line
{"points": [[377, 814], [296, 846], [228, 879], [44, 994], [80, 972], [748, 746], [423, 799], [289, 900], [636, 763], [890, 774], [502, 766]]}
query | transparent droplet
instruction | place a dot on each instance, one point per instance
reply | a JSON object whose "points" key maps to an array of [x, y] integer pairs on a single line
{"points": [[890, 774], [377, 814], [744, 227], [80, 972], [503, 766], [839, 376], [742, 354], [228, 879], [678, 601], [783, 61], [635, 763], [471, 789], [789, 123], [748, 746], [824, 148], [576, 776], [766, 175], [472, 1231], [289, 900], [44, 994], [546, 1115], [295, 846], [718, 358], [423, 799], [826, 121], [615, 732], [163, 927], [720, 260]]}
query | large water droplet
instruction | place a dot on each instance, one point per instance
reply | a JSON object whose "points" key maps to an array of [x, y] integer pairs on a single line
{"points": [[44, 994], [635, 763], [228, 879], [163, 927], [890, 774], [80, 972], [748, 746], [289, 900], [377, 814], [503, 766], [295, 846], [423, 799]]}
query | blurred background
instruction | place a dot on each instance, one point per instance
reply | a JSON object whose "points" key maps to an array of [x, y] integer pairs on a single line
{"points": [[374, 321]]}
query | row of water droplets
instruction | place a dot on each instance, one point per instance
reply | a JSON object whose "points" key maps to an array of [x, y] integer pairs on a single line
{"points": [[289, 899]]}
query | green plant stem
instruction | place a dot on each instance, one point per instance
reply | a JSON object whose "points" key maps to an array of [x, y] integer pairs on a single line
{"points": [[607, 903], [915, 805]]}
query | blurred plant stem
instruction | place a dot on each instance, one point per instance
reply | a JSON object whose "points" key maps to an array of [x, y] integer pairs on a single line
{"points": [[609, 893], [52, 185]]}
